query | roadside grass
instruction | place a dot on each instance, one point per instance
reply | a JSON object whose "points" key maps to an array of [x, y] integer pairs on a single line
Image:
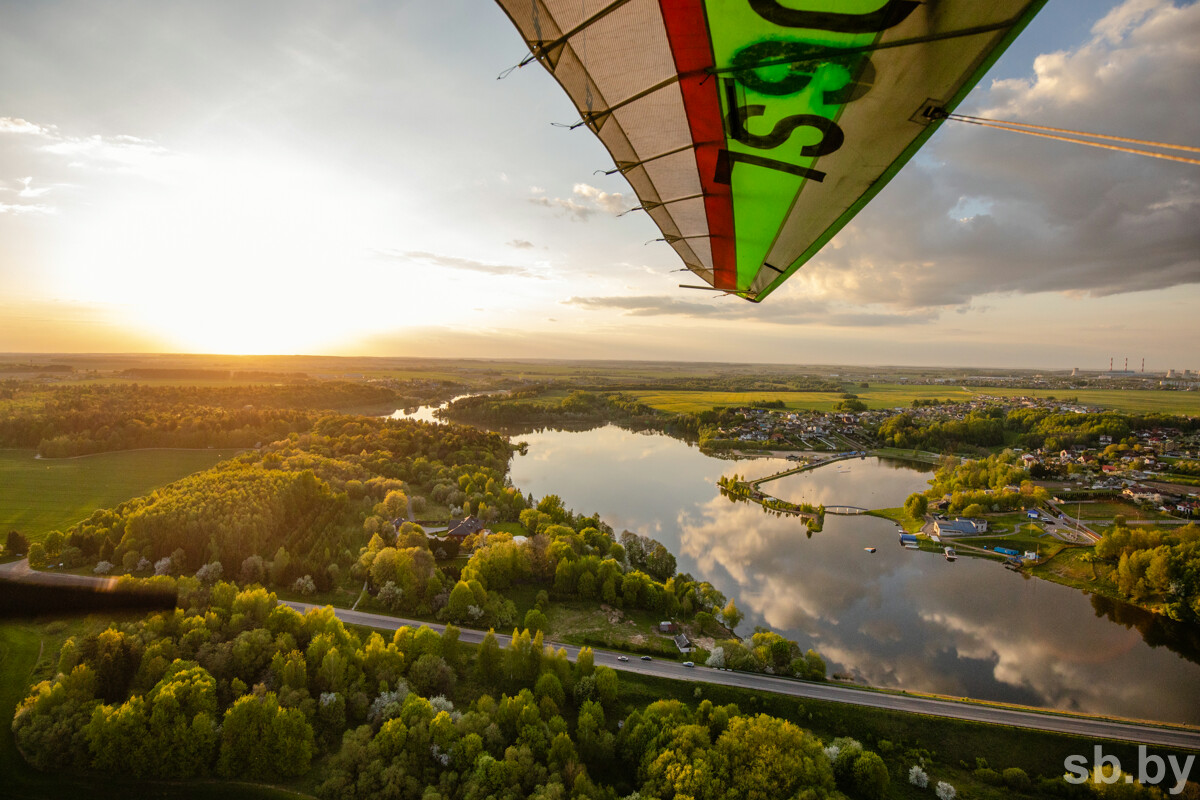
{"points": [[950, 747], [634, 631], [42, 495]]}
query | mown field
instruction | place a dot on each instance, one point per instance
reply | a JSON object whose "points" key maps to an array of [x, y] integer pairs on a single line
{"points": [[879, 396], [1106, 510], [41, 495]]}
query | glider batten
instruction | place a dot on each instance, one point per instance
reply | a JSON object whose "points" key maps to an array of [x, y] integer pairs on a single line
{"points": [[825, 109], [687, 31]]}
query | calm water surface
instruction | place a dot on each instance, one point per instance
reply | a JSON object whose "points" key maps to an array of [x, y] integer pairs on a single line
{"points": [[895, 618]]}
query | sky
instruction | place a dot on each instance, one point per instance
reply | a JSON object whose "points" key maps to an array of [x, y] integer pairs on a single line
{"points": [[353, 179]]}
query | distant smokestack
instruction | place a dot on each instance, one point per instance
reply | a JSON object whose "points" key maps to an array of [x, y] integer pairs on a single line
{"points": [[1126, 364], [1110, 363], [1143, 365]]}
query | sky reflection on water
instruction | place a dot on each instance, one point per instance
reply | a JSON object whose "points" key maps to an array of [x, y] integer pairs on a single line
{"points": [[894, 618]]}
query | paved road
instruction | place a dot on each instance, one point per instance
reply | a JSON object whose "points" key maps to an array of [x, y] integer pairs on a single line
{"points": [[21, 571], [1162, 735], [1187, 738]]}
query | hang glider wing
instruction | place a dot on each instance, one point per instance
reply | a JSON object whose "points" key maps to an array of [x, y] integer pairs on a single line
{"points": [[752, 131]]}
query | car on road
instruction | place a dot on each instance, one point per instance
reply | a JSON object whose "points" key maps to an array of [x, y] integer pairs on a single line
{"points": [[646, 658], [688, 664], [622, 658]]}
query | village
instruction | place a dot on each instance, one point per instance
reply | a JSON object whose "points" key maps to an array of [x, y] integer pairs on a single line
{"points": [[1137, 468]]}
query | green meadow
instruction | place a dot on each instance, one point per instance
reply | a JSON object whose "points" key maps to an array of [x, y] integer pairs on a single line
{"points": [[41, 495], [880, 396]]}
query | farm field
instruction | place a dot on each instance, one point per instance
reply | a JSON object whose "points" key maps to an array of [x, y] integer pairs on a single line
{"points": [[879, 396], [1106, 510], [41, 495], [1131, 401]]}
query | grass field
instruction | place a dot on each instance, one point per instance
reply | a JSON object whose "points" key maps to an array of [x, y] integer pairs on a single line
{"points": [[883, 395], [1103, 510], [41, 495]]}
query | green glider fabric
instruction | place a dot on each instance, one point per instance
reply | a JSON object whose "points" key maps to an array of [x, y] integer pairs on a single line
{"points": [[752, 131]]}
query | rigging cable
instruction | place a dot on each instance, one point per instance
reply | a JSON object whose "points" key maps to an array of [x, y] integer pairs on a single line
{"points": [[1036, 130]]}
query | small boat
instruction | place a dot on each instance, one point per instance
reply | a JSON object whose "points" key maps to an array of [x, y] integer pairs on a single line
{"points": [[869, 549], [950, 554]]}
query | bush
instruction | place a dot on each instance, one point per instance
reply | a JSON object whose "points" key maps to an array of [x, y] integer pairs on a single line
{"points": [[917, 777], [37, 555], [305, 585], [1015, 778], [945, 791], [103, 568], [988, 776]]}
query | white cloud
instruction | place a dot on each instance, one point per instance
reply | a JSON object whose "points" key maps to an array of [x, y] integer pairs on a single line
{"points": [[587, 201], [1046, 216], [17, 125]]}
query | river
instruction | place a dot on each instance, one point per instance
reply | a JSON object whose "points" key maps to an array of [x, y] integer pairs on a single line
{"points": [[894, 618]]}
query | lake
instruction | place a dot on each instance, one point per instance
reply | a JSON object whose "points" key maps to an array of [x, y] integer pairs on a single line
{"points": [[896, 618]]}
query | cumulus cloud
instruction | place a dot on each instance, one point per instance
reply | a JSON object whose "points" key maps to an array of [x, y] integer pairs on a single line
{"points": [[987, 211], [585, 201], [455, 262], [520, 244], [17, 125]]}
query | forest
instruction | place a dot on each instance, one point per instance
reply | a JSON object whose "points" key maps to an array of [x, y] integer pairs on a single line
{"points": [[236, 685], [333, 506], [78, 419], [1154, 565]]}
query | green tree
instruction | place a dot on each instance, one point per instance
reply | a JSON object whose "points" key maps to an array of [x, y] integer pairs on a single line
{"points": [[731, 615], [870, 777], [16, 544], [183, 721], [916, 506], [431, 675], [259, 739], [37, 555], [460, 602], [535, 620], [489, 660], [607, 685]]}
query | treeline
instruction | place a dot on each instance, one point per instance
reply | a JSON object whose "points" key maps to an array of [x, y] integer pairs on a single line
{"points": [[1032, 428], [186, 373], [301, 506], [233, 684], [1147, 565], [578, 406], [80, 419]]}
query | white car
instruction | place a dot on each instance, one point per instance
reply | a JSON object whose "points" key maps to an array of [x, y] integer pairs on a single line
{"points": [[622, 658]]}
